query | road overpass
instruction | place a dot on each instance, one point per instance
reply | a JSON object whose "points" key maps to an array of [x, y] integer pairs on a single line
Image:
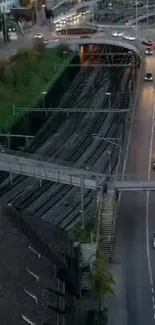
{"points": [[93, 3], [133, 21], [75, 42]]}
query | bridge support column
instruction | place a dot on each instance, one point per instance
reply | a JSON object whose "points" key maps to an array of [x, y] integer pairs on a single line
{"points": [[10, 178], [82, 202]]}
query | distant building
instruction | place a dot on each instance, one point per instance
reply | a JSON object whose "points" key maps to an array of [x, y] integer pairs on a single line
{"points": [[38, 273], [7, 5]]}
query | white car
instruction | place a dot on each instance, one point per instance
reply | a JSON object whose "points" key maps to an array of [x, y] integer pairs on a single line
{"points": [[149, 51], [117, 34], [153, 239], [39, 36], [110, 6], [148, 76], [129, 38]]}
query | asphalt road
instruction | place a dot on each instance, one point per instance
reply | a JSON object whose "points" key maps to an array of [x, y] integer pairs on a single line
{"points": [[135, 226]]}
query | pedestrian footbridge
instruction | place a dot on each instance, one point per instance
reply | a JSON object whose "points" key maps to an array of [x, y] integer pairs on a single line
{"points": [[42, 168], [127, 186]]}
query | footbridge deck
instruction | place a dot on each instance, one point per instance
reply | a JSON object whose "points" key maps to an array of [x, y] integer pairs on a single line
{"points": [[129, 186], [33, 166], [40, 167]]}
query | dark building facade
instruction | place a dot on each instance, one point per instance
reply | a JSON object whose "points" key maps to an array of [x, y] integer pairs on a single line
{"points": [[38, 272]]}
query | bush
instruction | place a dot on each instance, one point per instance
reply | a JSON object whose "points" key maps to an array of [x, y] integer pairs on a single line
{"points": [[62, 49], [24, 77]]}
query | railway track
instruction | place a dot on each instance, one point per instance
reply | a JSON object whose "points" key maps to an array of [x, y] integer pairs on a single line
{"points": [[41, 201]]}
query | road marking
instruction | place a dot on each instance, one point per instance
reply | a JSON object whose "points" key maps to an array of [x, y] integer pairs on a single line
{"points": [[147, 239], [147, 208]]}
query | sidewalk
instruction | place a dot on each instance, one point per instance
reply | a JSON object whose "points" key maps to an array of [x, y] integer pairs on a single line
{"points": [[117, 312]]}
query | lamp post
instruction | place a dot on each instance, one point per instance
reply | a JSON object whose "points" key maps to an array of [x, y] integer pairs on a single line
{"points": [[130, 97], [43, 93], [147, 11], [109, 162], [36, 10], [136, 9], [109, 99], [112, 141]]}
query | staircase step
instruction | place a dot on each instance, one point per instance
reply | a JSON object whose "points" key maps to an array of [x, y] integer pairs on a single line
{"points": [[106, 225]]}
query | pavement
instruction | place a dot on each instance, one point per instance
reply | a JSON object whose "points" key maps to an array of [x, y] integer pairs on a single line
{"points": [[117, 303], [136, 220]]}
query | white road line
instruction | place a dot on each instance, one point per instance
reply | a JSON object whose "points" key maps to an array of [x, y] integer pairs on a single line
{"points": [[147, 239], [152, 290], [147, 204], [154, 316]]}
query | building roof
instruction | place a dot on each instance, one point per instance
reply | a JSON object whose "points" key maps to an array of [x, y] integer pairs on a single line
{"points": [[28, 282]]}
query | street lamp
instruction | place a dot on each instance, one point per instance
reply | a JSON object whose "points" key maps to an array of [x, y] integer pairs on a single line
{"points": [[147, 11], [109, 99], [43, 94], [109, 162], [36, 10], [130, 97], [112, 141], [136, 8]]}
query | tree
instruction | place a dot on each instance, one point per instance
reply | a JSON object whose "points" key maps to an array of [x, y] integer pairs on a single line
{"points": [[62, 49], [24, 3], [101, 282]]}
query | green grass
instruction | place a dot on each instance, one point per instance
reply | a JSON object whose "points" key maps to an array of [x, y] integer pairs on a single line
{"points": [[23, 80]]}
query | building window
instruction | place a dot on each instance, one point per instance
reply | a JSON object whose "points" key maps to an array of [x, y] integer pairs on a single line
{"points": [[58, 318], [61, 303]]}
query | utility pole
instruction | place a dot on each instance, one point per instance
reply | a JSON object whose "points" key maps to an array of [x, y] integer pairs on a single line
{"points": [[4, 27], [136, 8], [109, 99], [147, 11], [112, 141], [36, 10]]}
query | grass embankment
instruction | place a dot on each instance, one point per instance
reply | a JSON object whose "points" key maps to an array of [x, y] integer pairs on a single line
{"points": [[23, 79]]}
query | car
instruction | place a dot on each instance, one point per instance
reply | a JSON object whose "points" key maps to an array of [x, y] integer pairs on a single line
{"points": [[129, 38], [153, 239], [39, 36], [153, 163], [110, 7], [147, 43], [148, 76], [149, 51], [138, 4], [85, 36], [117, 34]]}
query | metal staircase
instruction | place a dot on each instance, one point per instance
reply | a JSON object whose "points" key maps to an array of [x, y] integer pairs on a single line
{"points": [[106, 230]]}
